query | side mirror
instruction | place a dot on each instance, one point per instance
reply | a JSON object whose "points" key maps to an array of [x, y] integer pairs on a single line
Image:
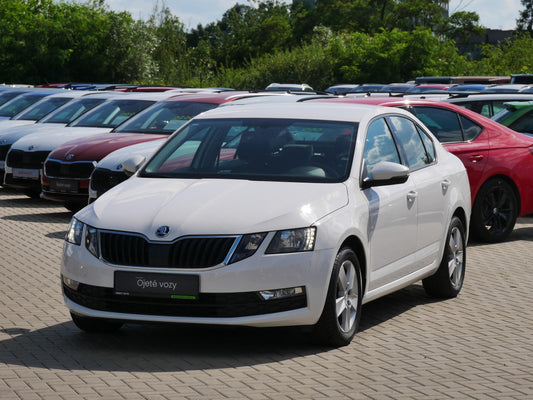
{"points": [[386, 173], [132, 164]]}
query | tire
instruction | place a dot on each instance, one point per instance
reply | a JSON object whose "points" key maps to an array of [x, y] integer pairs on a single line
{"points": [[95, 325], [342, 310], [494, 211], [448, 280]]}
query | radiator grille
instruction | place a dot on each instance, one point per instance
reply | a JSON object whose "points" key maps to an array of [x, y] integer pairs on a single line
{"points": [[58, 169], [104, 179], [3, 151], [132, 250], [26, 159]]}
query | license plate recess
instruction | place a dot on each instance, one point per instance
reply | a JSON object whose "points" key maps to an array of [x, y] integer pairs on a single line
{"points": [[147, 284]]}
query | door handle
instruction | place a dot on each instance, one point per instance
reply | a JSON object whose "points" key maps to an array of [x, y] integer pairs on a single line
{"points": [[411, 196], [476, 158]]}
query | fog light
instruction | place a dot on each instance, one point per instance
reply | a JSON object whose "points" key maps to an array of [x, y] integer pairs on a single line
{"points": [[281, 293], [71, 283]]}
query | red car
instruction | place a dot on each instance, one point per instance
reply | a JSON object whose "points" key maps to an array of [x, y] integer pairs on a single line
{"points": [[68, 168], [499, 161]]}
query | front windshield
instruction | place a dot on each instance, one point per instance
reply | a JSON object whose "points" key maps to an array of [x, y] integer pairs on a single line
{"points": [[165, 117], [18, 104], [366, 88], [257, 149], [43, 108], [112, 113], [71, 111], [9, 95], [418, 89]]}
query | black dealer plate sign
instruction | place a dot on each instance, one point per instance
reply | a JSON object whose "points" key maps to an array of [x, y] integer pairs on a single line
{"points": [[157, 285]]}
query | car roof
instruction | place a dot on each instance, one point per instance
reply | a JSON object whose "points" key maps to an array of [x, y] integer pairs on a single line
{"points": [[207, 97], [490, 97], [300, 110], [72, 93], [399, 101], [510, 87]]}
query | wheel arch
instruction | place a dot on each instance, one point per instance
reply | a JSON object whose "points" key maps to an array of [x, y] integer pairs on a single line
{"points": [[461, 214], [354, 243]]}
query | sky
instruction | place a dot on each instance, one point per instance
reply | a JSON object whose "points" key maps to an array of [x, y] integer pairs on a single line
{"points": [[494, 14]]}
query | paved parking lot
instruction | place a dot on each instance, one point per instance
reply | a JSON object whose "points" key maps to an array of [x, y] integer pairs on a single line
{"points": [[477, 346]]}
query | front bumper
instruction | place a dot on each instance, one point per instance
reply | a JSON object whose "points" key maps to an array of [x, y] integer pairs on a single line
{"points": [[228, 294], [65, 190], [23, 179]]}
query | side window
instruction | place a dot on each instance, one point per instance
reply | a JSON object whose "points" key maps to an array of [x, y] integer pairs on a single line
{"points": [[486, 111], [497, 106], [524, 123], [476, 106], [379, 146], [471, 130], [428, 144], [410, 141], [444, 124]]}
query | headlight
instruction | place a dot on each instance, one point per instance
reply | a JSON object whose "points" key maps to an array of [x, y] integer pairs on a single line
{"points": [[91, 241], [247, 246], [293, 240], [75, 230]]}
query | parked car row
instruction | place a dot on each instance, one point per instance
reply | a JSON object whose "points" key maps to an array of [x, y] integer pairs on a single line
{"points": [[266, 209], [86, 121], [58, 162], [518, 83]]}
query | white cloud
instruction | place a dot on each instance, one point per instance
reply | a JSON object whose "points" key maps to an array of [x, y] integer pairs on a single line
{"points": [[494, 14]]}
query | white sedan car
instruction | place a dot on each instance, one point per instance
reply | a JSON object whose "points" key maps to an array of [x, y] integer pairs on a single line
{"points": [[272, 215]]}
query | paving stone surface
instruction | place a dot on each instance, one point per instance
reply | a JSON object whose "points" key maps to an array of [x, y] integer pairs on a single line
{"points": [[477, 346]]}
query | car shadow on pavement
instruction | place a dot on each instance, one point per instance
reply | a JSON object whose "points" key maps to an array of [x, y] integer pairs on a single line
{"points": [[14, 199], [520, 233], [170, 347], [53, 217], [57, 235], [394, 304]]}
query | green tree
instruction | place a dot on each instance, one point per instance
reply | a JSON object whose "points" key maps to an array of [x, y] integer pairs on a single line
{"points": [[306, 64], [408, 15], [128, 52], [514, 56], [245, 32], [392, 56], [45, 41], [170, 50], [462, 25], [525, 20]]}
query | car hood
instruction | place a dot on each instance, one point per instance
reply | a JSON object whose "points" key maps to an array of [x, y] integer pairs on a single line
{"points": [[51, 139], [95, 147], [11, 123], [211, 206], [11, 135], [114, 160]]}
